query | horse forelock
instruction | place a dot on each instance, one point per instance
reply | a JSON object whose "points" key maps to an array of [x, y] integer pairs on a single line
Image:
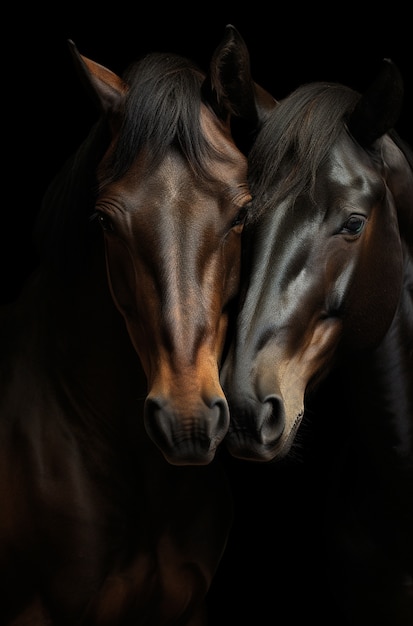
{"points": [[162, 111], [295, 140]]}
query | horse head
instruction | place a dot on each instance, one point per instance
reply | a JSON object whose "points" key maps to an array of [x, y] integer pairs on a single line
{"points": [[172, 196], [324, 254]]}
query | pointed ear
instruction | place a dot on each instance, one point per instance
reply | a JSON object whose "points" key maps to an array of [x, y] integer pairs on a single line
{"points": [[229, 88], [379, 107], [105, 87]]}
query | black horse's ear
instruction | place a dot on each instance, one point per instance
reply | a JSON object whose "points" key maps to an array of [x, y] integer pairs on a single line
{"points": [[229, 88], [379, 107]]}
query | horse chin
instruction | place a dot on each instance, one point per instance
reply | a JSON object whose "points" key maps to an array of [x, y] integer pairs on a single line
{"points": [[256, 445], [186, 452], [185, 456], [247, 449]]}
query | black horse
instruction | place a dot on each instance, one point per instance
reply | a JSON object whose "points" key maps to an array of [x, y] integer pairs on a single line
{"points": [[325, 328]]}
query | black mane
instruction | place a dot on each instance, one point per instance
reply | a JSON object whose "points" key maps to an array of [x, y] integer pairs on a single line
{"points": [[162, 110], [294, 141]]}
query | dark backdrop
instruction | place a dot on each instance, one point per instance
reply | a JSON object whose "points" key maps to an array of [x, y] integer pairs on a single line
{"points": [[273, 562]]}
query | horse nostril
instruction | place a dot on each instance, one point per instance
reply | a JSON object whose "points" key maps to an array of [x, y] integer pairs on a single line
{"points": [[219, 426], [158, 429], [272, 418]]}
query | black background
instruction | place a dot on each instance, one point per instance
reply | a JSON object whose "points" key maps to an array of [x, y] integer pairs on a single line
{"points": [[274, 563]]}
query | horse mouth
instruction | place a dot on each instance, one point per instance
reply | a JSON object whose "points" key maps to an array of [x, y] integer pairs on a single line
{"points": [[189, 455], [252, 444], [187, 439]]}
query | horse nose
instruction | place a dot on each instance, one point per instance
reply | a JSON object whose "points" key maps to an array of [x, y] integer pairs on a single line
{"points": [[256, 429], [187, 436]]}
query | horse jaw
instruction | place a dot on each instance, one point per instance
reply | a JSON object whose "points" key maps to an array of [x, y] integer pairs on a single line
{"points": [[268, 408]]}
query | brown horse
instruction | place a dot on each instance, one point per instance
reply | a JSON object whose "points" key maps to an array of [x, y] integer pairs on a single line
{"points": [[325, 327], [113, 510]]}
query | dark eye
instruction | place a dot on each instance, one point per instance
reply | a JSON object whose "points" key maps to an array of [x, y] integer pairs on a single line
{"points": [[241, 215], [104, 221], [354, 225]]}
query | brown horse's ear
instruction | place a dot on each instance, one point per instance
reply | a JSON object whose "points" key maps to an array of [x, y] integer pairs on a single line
{"points": [[379, 107], [229, 88], [105, 87]]}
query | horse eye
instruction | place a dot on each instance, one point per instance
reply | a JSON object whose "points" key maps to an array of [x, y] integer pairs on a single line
{"points": [[104, 221], [241, 215], [354, 225]]}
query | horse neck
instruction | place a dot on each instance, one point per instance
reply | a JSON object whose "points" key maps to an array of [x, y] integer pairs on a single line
{"points": [[382, 383], [75, 335]]}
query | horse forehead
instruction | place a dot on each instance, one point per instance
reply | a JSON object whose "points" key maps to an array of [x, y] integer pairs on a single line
{"points": [[350, 169], [171, 186]]}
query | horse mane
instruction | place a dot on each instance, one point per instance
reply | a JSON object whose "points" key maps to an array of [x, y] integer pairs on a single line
{"points": [[161, 111], [403, 146], [294, 141], [406, 216]]}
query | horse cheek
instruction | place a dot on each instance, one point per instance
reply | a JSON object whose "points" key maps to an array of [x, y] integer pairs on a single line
{"points": [[131, 281], [232, 263], [377, 285]]}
